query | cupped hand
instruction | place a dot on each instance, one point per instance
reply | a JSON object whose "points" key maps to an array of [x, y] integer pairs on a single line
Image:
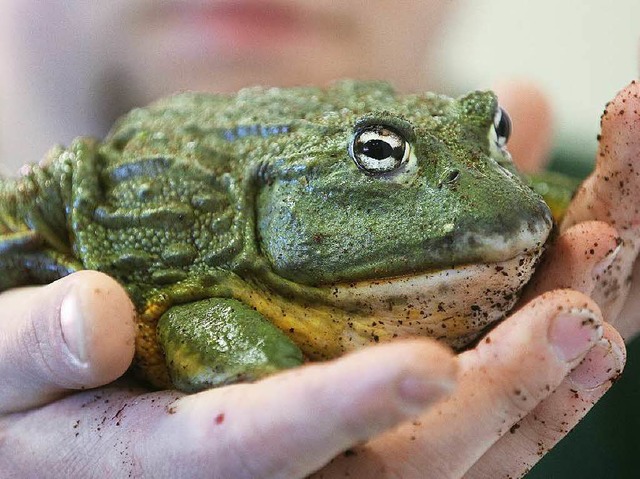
{"points": [[77, 333], [612, 195], [524, 386], [507, 400], [604, 215]]}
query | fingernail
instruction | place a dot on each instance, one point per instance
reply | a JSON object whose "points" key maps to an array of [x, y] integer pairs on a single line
{"points": [[607, 261], [72, 324], [417, 393], [573, 333], [603, 363]]}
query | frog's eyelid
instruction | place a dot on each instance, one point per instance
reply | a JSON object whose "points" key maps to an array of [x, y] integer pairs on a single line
{"points": [[403, 127]]}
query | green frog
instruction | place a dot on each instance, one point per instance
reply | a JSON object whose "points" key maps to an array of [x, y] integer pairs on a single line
{"points": [[256, 231]]}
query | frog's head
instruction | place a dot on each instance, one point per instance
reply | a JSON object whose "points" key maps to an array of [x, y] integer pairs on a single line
{"points": [[395, 187]]}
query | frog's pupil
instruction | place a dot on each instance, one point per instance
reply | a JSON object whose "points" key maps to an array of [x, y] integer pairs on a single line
{"points": [[503, 126], [377, 149]]}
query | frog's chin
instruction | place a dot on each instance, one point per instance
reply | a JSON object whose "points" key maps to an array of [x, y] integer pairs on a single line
{"points": [[453, 305]]}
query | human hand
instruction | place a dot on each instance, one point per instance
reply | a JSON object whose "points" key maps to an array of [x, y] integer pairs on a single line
{"points": [[612, 195], [78, 333], [604, 216], [291, 424]]}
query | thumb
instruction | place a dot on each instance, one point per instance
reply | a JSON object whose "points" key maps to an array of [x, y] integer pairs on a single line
{"points": [[75, 333]]}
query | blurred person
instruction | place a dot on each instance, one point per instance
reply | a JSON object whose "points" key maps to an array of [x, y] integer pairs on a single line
{"points": [[71, 68], [68, 69]]}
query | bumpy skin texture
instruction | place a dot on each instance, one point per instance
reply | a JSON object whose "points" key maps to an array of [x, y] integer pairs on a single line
{"points": [[256, 198]]}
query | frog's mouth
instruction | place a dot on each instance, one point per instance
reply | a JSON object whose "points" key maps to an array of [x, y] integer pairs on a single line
{"points": [[453, 305]]}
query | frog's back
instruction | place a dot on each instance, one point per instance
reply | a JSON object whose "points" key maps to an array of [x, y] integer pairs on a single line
{"points": [[165, 197], [154, 216], [252, 112]]}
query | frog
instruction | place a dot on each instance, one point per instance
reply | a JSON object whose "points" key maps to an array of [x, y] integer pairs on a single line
{"points": [[258, 231]]}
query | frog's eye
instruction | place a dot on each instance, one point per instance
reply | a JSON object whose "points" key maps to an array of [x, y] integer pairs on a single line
{"points": [[502, 127], [379, 149]]}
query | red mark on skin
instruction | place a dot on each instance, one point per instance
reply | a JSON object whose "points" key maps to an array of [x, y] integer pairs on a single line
{"points": [[219, 419]]}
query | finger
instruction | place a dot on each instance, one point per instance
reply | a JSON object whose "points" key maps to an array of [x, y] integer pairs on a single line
{"points": [[505, 377], [577, 259], [285, 426], [310, 414], [515, 453], [611, 194], [75, 333], [532, 118], [628, 321]]}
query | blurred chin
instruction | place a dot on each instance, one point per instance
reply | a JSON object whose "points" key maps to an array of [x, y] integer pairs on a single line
{"points": [[228, 72], [222, 51]]}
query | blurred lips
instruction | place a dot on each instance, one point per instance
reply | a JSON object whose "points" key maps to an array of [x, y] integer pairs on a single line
{"points": [[244, 25]]}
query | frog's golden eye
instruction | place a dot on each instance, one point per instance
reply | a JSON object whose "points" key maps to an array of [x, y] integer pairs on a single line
{"points": [[502, 127], [379, 149]]}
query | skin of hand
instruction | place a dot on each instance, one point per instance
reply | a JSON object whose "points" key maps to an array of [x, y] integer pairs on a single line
{"points": [[604, 218], [523, 387], [405, 409]]}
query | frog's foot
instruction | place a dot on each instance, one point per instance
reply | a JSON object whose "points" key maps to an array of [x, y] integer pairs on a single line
{"points": [[222, 341]]}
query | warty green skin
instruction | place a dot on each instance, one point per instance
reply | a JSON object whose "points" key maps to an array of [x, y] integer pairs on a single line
{"points": [[201, 196]]}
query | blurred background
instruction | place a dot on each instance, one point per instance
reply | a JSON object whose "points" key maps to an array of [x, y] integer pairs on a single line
{"points": [[579, 53], [71, 67]]}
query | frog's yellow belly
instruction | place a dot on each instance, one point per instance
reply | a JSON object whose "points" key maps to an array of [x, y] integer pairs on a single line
{"points": [[453, 305]]}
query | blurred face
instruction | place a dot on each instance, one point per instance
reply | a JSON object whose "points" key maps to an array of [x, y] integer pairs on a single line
{"points": [[154, 47], [222, 45]]}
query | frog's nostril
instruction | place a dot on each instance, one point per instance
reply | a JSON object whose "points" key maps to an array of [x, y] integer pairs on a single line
{"points": [[453, 177], [449, 179]]}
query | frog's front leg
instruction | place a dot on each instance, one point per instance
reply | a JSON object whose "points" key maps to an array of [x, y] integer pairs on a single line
{"points": [[222, 341]]}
